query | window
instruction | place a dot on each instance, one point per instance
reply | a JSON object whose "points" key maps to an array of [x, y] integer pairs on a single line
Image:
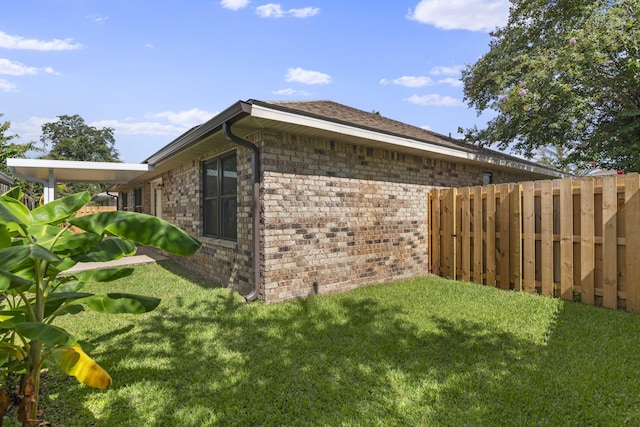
{"points": [[487, 178], [137, 199], [220, 197], [125, 201]]}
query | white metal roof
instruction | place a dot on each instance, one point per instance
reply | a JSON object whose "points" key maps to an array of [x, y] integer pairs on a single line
{"points": [[76, 171]]}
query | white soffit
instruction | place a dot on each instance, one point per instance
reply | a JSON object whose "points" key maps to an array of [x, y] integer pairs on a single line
{"points": [[75, 171]]}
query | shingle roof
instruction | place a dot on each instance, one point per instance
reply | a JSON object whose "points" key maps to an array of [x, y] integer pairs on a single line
{"points": [[352, 116]]}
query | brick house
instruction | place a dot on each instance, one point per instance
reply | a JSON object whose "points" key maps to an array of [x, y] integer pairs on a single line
{"points": [[337, 196]]}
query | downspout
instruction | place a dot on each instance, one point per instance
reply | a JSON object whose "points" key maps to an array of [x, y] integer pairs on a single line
{"points": [[116, 197], [255, 206]]}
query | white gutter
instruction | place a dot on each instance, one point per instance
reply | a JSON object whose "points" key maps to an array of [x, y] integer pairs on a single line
{"points": [[262, 112]]}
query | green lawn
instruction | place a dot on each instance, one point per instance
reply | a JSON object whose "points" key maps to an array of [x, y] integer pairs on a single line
{"points": [[421, 352]]}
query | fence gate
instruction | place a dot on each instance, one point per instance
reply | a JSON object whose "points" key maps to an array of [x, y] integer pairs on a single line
{"points": [[577, 239]]}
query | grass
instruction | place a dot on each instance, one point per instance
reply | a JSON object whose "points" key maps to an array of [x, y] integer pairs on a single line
{"points": [[422, 352]]}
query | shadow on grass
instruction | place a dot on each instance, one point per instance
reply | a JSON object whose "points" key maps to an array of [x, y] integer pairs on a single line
{"points": [[361, 361]]}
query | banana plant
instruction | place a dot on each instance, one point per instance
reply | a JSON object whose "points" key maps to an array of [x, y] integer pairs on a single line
{"points": [[36, 249]]}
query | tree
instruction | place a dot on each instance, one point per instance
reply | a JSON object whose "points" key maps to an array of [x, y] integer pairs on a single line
{"points": [[563, 74], [10, 149], [71, 139], [35, 248]]}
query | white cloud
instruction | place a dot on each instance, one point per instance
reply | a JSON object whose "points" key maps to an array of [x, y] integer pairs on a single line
{"points": [[170, 123], [409, 81], [149, 46], [234, 4], [307, 76], [32, 128], [275, 10], [451, 81], [472, 15], [12, 68], [447, 71], [187, 118], [139, 128], [16, 68], [291, 92], [425, 127], [7, 86], [304, 13], [435, 100], [270, 10], [16, 42]]}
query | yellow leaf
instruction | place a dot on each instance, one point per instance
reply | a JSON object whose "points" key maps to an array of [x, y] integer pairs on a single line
{"points": [[75, 362]]}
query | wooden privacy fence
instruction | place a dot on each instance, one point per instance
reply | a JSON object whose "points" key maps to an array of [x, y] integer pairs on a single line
{"points": [[577, 239]]}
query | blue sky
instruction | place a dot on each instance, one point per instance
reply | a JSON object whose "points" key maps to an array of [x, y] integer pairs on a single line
{"points": [[153, 69]]}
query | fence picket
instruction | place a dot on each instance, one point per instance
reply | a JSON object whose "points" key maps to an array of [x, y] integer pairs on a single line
{"points": [[609, 242], [528, 237], [490, 240], [476, 193], [566, 240], [632, 250], [465, 234], [546, 238], [587, 248]]}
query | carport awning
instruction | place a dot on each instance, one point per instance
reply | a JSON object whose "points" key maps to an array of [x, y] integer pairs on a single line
{"points": [[74, 171], [50, 172]]}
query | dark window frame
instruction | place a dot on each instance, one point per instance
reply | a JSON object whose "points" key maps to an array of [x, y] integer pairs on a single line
{"points": [[137, 199], [125, 201], [487, 178], [220, 204]]}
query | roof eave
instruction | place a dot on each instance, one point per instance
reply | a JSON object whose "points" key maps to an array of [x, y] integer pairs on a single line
{"points": [[262, 110], [197, 134]]}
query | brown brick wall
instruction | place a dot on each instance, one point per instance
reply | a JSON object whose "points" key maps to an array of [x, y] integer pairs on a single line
{"points": [[335, 215], [338, 216]]}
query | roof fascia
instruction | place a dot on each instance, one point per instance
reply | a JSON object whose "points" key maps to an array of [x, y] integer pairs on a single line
{"points": [[198, 133], [75, 164], [264, 112]]}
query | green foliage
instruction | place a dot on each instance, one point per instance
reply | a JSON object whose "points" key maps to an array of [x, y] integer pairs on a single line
{"points": [[10, 149], [35, 248], [70, 138], [563, 74], [422, 352]]}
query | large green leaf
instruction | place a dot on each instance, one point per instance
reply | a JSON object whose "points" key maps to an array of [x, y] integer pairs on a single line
{"points": [[48, 334], [145, 229], [59, 210], [14, 193], [9, 318], [12, 211], [13, 256], [73, 244], [5, 236], [11, 281], [103, 274], [119, 303], [110, 248]]}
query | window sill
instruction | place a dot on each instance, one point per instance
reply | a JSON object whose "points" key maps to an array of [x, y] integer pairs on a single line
{"points": [[228, 244]]}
